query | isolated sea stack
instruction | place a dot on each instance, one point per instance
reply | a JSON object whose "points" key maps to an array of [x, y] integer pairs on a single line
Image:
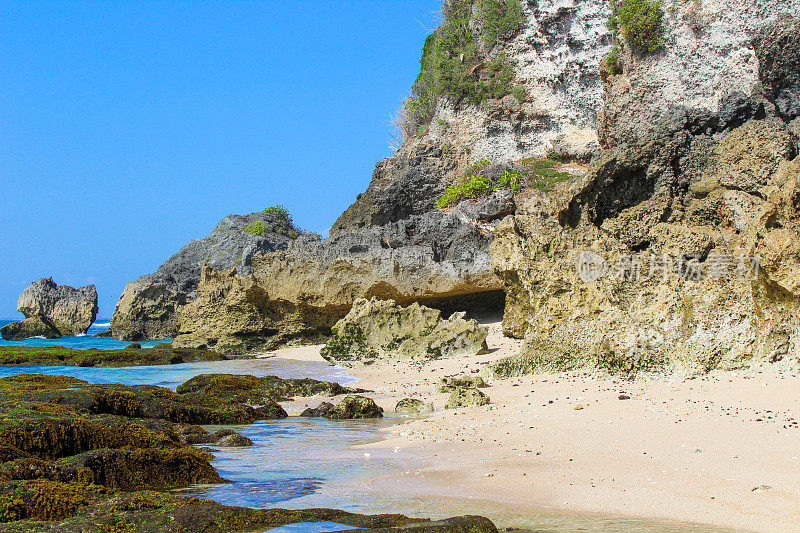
{"points": [[53, 311]]}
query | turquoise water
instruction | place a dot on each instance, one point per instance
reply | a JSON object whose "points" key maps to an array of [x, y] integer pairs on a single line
{"points": [[80, 342]]}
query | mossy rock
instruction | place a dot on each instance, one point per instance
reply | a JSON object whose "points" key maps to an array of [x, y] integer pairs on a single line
{"points": [[258, 390], [162, 354], [355, 406], [463, 397], [453, 383], [413, 406], [321, 410]]}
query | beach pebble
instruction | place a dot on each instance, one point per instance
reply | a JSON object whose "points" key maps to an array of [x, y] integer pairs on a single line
{"points": [[624, 397]]}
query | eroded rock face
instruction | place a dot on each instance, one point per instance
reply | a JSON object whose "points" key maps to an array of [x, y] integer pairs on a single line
{"points": [[234, 314], [34, 326], [381, 330], [69, 310], [712, 204], [777, 48], [148, 307], [709, 71]]}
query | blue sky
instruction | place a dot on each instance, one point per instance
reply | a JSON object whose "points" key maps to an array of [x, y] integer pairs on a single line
{"points": [[128, 128]]}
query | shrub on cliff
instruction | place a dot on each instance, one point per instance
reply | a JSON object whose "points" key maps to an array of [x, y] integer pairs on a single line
{"points": [[279, 222], [641, 24], [453, 63]]}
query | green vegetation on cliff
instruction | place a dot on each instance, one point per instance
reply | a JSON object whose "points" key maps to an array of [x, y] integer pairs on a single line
{"points": [[280, 223], [455, 65], [477, 181], [641, 24]]}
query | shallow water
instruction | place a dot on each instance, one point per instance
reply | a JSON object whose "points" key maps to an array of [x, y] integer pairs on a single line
{"points": [[311, 462]]}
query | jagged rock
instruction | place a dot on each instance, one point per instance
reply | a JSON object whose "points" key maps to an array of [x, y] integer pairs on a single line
{"points": [[466, 397], [748, 157], [381, 330], [777, 47], [69, 310], [498, 205], [321, 410], [704, 74], [230, 438], [413, 406], [469, 382], [148, 306], [35, 326], [355, 407]]}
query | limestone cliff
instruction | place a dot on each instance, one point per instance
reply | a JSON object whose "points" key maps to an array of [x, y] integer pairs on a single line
{"points": [[148, 307], [677, 249]]}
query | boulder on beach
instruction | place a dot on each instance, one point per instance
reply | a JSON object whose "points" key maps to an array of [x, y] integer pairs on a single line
{"points": [[413, 406], [452, 383], [351, 407], [466, 397], [382, 330]]}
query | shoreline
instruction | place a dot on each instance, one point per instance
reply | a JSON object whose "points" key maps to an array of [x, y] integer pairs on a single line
{"points": [[712, 450]]}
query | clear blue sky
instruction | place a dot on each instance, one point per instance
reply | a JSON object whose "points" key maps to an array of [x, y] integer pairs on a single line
{"points": [[128, 128]]}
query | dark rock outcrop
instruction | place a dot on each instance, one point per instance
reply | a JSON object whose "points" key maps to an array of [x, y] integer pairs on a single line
{"points": [[257, 390], [777, 48], [351, 407], [53, 311], [162, 354], [148, 306]]}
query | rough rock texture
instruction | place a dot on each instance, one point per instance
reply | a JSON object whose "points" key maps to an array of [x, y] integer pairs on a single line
{"points": [[470, 382], [69, 310], [413, 406], [382, 330], [355, 406], [710, 68], [709, 204], [35, 326], [148, 306], [259, 390], [777, 48], [234, 314], [466, 397], [438, 259]]}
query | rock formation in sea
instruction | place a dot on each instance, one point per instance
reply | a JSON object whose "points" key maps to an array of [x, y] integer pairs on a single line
{"points": [[53, 311]]}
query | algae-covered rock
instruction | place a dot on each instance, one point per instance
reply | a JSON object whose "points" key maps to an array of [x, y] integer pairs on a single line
{"points": [[255, 390], [452, 383], [321, 410], [749, 156], [162, 354], [355, 406], [35, 326], [70, 310], [413, 406], [381, 330], [41, 505], [463, 397]]}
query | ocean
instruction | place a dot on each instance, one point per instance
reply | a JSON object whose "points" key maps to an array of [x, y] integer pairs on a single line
{"points": [[80, 342]]}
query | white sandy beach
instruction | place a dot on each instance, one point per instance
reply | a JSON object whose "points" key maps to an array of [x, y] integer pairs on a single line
{"points": [[723, 449]]}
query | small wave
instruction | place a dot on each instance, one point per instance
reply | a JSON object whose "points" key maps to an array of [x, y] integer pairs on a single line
{"points": [[38, 337], [101, 324], [81, 335]]}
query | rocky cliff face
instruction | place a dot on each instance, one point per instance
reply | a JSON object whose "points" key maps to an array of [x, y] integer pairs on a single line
{"points": [[54, 310], [148, 307], [299, 293], [675, 250]]}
